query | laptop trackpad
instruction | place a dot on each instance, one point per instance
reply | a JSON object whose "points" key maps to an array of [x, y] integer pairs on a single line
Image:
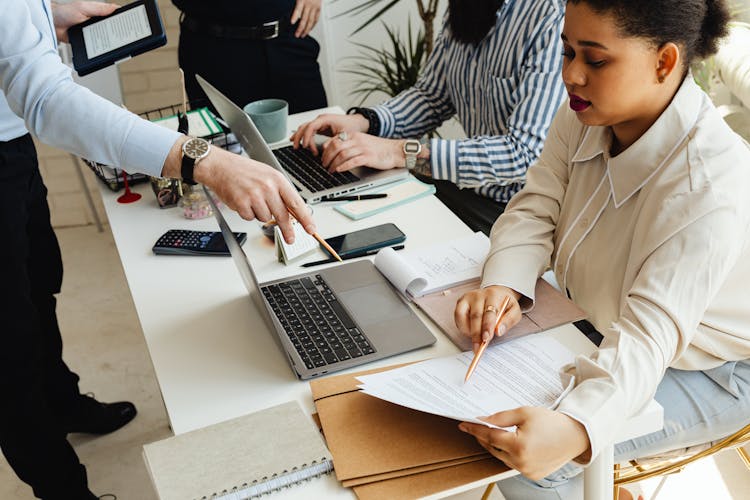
{"points": [[373, 304]]}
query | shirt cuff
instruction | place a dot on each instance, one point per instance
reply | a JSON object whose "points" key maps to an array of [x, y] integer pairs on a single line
{"points": [[444, 159], [387, 121], [596, 404], [147, 147]]}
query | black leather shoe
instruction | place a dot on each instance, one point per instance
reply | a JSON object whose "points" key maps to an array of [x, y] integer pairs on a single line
{"points": [[92, 417]]}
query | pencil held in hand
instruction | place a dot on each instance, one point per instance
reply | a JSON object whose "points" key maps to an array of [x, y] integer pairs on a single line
{"points": [[486, 342]]}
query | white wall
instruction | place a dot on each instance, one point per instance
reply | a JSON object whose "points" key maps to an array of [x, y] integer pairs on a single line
{"points": [[337, 43]]}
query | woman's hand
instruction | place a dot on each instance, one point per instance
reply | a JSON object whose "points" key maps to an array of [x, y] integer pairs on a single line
{"points": [[66, 15], [544, 440], [307, 13], [477, 312]]}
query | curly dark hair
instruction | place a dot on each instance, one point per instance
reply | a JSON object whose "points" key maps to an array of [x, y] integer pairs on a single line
{"points": [[694, 25]]}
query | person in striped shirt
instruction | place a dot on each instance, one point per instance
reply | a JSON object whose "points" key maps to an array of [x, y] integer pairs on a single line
{"points": [[496, 67]]}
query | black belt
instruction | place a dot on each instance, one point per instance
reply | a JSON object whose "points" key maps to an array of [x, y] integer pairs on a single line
{"points": [[265, 31]]}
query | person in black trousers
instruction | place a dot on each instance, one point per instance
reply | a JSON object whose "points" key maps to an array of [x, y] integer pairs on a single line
{"points": [[252, 50]]}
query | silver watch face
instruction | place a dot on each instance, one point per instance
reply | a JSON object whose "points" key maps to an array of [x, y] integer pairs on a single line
{"points": [[196, 148], [412, 147]]}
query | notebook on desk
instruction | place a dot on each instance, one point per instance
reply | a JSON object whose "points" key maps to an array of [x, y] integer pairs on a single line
{"points": [[332, 319], [304, 169]]}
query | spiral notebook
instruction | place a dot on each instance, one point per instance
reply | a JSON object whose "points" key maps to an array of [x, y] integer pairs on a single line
{"points": [[241, 458]]}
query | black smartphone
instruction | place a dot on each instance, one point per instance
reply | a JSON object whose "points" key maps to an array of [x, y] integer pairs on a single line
{"points": [[102, 41], [370, 238]]}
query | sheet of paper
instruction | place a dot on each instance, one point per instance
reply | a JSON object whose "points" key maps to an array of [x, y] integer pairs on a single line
{"points": [[524, 372], [436, 267]]}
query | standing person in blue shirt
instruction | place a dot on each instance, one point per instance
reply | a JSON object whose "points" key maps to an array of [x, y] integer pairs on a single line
{"points": [[496, 66], [41, 399], [252, 50]]}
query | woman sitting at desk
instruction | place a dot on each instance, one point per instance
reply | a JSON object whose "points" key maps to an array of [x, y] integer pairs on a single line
{"points": [[639, 204]]}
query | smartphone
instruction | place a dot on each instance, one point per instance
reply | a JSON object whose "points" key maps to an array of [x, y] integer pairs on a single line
{"points": [[363, 240], [130, 30]]}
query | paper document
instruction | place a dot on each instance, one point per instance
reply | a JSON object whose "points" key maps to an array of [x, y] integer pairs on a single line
{"points": [[436, 267], [527, 371]]}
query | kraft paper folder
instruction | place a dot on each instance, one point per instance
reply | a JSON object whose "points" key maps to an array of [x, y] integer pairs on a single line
{"points": [[551, 309], [384, 450]]}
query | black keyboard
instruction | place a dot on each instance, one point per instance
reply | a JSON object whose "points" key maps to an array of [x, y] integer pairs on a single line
{"points": [[317, 325], [307, 169]]}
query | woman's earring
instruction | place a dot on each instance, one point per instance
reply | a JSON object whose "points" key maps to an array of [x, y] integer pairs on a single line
{"points": [[661, 77]]}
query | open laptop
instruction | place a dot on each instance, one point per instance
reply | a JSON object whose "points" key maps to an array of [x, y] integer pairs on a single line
{"points": [[332, 319], [303, 168]]}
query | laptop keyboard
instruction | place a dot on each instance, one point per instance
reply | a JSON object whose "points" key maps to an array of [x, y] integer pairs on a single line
{"points": [[307, 169], [317, 325]]}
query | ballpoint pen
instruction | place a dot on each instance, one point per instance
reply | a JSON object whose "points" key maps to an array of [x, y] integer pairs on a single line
{"points": [[485, 343], [365, 253], [355, 197], [319, 238]]}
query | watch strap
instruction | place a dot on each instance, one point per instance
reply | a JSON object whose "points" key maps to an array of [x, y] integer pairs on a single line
{"points": [[186, 170], [370, 115]]}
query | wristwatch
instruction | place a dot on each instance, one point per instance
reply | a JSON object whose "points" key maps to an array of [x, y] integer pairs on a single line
{"points": [[193, 151], [411, 149]]}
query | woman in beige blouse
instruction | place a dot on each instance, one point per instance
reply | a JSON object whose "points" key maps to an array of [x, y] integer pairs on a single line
{"points": [[639, 204]]}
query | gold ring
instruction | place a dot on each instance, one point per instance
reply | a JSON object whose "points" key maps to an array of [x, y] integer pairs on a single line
{"points": [[490, 308]]}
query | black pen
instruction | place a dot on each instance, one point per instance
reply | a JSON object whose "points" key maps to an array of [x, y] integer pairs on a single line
{"points": [[355, 197], [350, 256]]}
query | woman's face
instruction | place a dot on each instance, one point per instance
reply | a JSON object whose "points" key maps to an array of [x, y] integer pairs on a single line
{"points": [[611, 80]]}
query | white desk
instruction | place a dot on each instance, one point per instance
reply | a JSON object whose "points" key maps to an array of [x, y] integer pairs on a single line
{"points": [[213, 355]]}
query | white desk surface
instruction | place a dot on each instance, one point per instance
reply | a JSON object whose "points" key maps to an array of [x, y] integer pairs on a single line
{"points": [[213, 355]]}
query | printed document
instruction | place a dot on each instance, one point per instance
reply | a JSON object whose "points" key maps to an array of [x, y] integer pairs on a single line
{"points": [[527, 371]]}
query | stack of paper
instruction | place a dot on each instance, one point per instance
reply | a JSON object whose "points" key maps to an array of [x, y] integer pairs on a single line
{"points": [[524, 372]]}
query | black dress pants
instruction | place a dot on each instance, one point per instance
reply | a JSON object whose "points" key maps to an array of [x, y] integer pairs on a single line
{"points": [[247, 70], [35, 383]]}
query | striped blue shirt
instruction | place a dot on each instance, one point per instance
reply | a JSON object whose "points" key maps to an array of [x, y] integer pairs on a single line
{"points": [[504, 91]]}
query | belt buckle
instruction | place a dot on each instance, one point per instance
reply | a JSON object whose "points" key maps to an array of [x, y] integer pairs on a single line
{"points": [[274, 33]]}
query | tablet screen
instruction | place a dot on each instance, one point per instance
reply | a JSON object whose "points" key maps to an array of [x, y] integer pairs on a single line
{"points": [[116, 31]]}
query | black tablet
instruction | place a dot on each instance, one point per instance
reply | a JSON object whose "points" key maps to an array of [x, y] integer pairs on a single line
{"points": [[102, 41]]}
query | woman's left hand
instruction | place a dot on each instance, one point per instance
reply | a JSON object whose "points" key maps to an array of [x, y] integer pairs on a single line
{"points": [[544, 440], [307, 13]]}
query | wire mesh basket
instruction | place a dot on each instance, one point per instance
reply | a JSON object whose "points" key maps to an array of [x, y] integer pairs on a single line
{"points": [[112, 176]]}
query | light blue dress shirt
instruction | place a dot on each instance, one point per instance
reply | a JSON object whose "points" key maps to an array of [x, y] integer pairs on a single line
{"points": [[38, 95], [504, 91]]}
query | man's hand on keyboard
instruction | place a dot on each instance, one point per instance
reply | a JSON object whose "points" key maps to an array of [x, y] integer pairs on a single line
{"points": [[348, 151], [331, 125]]}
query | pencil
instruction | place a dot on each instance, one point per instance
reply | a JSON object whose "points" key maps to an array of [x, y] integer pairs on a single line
{"points": [[485, 343], [320, 240]]}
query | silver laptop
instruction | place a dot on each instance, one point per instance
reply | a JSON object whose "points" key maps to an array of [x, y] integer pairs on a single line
{"points": [[332, 319], [303, 168]]}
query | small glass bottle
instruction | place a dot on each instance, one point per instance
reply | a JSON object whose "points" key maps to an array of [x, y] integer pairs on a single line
{"points": [[194, 203]]}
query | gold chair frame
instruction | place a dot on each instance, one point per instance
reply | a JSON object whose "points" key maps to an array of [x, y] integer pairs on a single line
{"points": [[638, 472]]}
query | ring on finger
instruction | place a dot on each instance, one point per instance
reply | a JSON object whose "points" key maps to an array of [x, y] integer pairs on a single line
{"points": [[343, 136], [490, 308]]}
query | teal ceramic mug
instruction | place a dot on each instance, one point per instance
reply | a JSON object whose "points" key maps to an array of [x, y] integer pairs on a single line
{"points": [[269, 116]]}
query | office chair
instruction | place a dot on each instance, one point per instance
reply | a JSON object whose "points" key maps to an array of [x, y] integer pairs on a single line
{"points": [[639, 470]]}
